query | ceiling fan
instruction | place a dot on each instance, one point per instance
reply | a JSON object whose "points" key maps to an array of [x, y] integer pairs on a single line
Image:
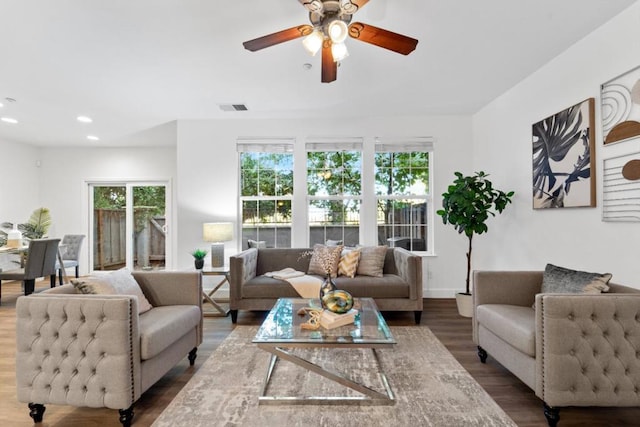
{"points": [[330, 25]]}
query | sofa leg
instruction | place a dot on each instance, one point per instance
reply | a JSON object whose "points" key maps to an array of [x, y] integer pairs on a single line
{"points": [[192, 356], [418, 316], [234, 316], [552, 415], [36, 411], [126, 416], [482, 354]]}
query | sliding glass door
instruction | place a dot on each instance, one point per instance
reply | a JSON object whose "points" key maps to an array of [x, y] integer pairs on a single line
{"points": [[128, 225]]}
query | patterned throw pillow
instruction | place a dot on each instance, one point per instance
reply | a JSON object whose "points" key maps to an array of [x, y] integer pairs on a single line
{"points": [[325, 259], [119, 282], [348, 264], [372, 261], [563, 280]]}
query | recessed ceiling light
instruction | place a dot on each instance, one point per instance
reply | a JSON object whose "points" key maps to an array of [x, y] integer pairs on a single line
{"points": [[1, 105], [93, 138], [84, 119], [9, 120]]}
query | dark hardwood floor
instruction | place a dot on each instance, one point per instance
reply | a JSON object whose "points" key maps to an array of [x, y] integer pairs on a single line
{"points": [[440, 316]]}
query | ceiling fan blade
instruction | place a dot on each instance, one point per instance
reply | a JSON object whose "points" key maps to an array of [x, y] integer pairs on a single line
{"points": [[279, 37], [382, 38], [359, 3], [329, 66]]}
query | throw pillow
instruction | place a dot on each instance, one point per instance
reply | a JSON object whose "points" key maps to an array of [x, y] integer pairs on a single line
{"points": [[563, 280], [348, 264], [119, 282], [260, 244], [324, 260], [372, 261]]}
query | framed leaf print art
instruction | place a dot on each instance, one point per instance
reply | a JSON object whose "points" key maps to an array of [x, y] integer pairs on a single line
{"points": [[563, 158]]}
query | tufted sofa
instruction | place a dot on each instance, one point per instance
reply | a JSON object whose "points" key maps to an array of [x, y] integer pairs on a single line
{"points": [[400, 288], [96, 351], [571, 349]]}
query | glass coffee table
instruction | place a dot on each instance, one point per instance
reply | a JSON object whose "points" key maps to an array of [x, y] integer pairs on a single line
{"points": [[281, 332]]}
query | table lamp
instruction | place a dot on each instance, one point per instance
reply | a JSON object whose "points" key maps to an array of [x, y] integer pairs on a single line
{"points": [[217, 233]]}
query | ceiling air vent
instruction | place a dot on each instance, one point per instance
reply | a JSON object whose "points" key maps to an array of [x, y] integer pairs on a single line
{"points": [[233, 107]]}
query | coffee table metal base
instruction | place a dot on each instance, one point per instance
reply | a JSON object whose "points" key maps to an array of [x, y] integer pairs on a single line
{"points": [[370, 396]]}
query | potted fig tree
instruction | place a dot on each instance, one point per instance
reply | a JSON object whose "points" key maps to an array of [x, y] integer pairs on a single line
{"points": [[467, 205]]}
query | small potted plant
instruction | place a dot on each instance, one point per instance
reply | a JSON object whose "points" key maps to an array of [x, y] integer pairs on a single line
{"points": [[198, 256], [467, 205]]}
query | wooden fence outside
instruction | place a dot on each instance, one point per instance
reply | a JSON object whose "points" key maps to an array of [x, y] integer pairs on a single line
{"points": [[109, 243]]}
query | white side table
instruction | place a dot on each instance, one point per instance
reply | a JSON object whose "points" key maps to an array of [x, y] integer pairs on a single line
{"points": [[208, 297]]}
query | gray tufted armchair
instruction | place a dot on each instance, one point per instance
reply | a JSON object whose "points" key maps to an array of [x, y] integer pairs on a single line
{"points": [[571, 349], [96, 350]]}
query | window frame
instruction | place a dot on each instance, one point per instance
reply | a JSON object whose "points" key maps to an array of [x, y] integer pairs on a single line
{"points": [[409, 145], [334, 145], [260, 146]]}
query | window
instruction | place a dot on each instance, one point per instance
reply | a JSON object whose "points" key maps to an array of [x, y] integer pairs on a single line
{"points": [[354, 193], [334, 190], [266, 191], [128, 225], [402, 193]]}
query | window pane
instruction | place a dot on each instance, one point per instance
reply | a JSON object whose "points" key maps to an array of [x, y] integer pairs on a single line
{"points": [[334, 173], [284, 183], [419, 160], [284, 212], [334, 220], [402, 173], [403, 223], [249, 182], [267, 183]]}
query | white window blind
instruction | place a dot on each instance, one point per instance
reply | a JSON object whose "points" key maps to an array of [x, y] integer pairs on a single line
{"points": [[404, 145], [265, 145], [317, 144]]}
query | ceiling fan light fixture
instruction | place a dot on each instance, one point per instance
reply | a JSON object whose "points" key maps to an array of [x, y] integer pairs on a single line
{"points": [[338, 31], [313, 6], [348, 7], [313, 42], [339, 51]]}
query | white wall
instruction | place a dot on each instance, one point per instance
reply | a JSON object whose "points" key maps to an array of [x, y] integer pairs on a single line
{"points": [[19, 191], [65, 172], [208, 176], [524, 238]]}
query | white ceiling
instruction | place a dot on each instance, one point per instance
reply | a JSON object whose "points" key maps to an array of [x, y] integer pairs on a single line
{"points": [[137, 65]]}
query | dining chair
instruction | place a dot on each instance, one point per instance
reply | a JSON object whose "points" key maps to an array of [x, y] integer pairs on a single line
{"points": [[71, 244], [41, 262]]}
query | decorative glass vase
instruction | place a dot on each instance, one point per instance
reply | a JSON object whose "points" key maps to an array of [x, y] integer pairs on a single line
{"points": [[338, 301], [327, 286]]}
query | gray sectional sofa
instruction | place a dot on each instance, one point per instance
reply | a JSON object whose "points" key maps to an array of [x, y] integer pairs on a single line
{"points": [[400, 288]]}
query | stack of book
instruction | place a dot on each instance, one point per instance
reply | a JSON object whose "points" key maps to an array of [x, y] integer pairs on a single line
{"points": [[331, 320]]}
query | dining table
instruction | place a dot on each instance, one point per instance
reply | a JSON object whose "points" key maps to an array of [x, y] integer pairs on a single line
{"points": [[24, 250]]}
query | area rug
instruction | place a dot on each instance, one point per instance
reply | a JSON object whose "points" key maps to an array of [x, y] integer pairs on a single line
{"points": [[431, 388]]}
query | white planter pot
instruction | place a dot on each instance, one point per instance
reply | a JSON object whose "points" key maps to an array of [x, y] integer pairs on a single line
{"points": [[465, 305]]}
